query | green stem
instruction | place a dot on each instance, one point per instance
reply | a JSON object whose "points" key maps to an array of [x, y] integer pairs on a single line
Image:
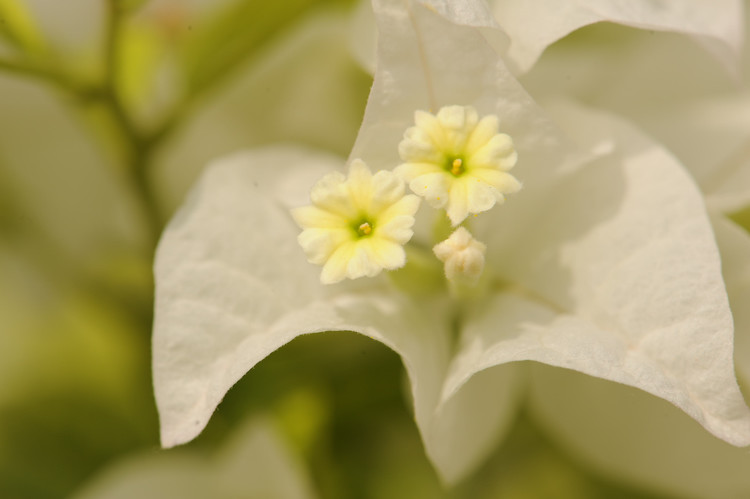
{"points": [[23, 69], [45, 74], [140, 146], [139, 177]]}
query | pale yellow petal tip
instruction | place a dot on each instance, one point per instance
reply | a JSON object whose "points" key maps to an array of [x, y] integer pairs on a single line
{"points": [[463, 257], [457, 161], [357, 225]]}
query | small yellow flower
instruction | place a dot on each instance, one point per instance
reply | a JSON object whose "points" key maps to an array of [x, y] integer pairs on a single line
{"points": [[357, 225], [458, 162]]}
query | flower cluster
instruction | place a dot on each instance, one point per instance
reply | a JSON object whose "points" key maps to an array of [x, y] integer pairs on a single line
{"points": [[605, 267], [357, 225], [458, 162]]}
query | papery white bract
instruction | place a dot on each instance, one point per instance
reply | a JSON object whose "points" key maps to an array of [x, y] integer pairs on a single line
{"points": [[605, 265], [253, 462], [655, 444], [532, 25], [528, 27]]}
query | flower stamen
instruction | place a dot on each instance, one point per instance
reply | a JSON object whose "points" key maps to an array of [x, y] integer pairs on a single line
{"points": [[365, 229], [457, 167]]}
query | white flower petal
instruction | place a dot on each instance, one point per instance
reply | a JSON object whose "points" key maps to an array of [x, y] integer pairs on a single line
{"points": [[429, 55], [469, 425], [254, 463], [734, 244], [636, 437], [399, 229], [331, 194], [487, 128], [633, 437], [503, 182], [402, 210], [386, 254], [214, 270], [312, 216], [388, 189], [433, 187], [456, 122], [319, 244], [497, 151], [359, 184], [532, 25], [363, 34], [362, 262], [423, 64], [459, 203], [233, 286], [481, 195], [336, 267], [418, 148], [410, 171], [672, 90], [619, 278], [712, 137]]}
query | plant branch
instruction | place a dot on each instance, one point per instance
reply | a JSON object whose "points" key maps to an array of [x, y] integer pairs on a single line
{"points": [[45, 74], [140, 145]]}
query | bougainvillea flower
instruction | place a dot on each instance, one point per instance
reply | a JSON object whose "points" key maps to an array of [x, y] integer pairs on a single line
{"points": [[604, 263]]}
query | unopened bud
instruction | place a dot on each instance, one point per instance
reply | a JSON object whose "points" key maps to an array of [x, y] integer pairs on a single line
{"points": [[463, 257]]}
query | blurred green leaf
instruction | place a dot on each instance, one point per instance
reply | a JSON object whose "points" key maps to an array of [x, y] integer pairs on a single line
{"points": [[530, 465], [74, 393], [143, 52], [742, 218], [367, 445], [251, 462], [235, 33], [131, 5], [302, 415], [18, 27], [53, 442]]}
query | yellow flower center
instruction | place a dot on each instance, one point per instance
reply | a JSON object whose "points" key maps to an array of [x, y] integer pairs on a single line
{"points": [[365, 229], [457, 167]]}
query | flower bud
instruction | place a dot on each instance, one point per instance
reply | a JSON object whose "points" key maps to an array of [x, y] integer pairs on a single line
{"points": [[463, 257]]}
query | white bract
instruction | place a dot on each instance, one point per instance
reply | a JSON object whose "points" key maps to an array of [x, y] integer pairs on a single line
{"points": [[605, 263], [634, 437], [532, 25], [680, 96], [253, 462], [528, 27], [671, 89]]}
